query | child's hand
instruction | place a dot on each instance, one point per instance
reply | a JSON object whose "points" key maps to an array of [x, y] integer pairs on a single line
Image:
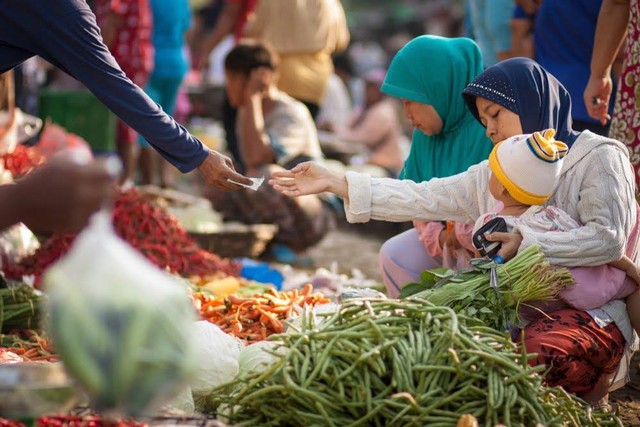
{"points": [[510, 243], [308, 178]]}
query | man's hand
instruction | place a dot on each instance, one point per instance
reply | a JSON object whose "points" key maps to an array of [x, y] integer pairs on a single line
{"points": [[510, 243], [62, 195], [259, 81], [596, 98], [217, 170]]}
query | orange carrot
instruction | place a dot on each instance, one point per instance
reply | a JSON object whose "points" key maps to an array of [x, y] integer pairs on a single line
{"points": [[32, 352], [306, 290]]}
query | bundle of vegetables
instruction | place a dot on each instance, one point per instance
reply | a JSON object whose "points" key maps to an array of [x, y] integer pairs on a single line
{"points": [[19, 308], [145, 226], [397, 362], [255, 318], [525, 279], [30, 346]]}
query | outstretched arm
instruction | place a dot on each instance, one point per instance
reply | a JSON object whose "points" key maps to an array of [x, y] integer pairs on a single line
{"points": [[71, 40], [461, 197], [309, 178]]}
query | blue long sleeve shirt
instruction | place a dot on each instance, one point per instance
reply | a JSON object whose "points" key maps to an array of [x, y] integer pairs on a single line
{"points": [[65, 33]]}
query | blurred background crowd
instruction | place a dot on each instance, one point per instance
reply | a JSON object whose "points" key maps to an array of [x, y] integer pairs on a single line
{"points": [[175, 49], [330, 55]]}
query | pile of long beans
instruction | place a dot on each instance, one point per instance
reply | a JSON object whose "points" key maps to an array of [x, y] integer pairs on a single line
{"points": [[390, 362], [19, 308]]}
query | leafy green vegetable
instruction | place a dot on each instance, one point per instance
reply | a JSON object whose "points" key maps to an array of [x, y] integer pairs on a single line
{"points": [[527, 277]]}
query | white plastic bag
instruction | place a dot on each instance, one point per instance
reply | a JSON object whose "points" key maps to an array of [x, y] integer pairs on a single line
{"points": [[217, 355], [259, 357], [121, 326], [181, 404]]}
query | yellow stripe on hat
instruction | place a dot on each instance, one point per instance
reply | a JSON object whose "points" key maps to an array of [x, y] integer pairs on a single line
{"points": [[519, 194], [545, 147]]}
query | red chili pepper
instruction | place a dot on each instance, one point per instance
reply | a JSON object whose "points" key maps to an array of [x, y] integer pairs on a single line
{"points": [[22, 160], [10, 423], [148, 228], [87, 421]]}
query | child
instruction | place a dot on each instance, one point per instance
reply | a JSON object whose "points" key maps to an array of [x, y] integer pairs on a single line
{"points": [[525, 171]]}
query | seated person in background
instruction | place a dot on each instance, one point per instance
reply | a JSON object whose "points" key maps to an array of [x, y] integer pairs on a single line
{"points": [[274, 131], [377, 127]]}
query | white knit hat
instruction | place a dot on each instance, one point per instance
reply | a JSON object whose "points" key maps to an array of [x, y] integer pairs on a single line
{"points": [[529, 165]]}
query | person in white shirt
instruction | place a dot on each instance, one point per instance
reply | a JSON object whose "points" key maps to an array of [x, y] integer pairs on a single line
{"points": [[274, 131]]}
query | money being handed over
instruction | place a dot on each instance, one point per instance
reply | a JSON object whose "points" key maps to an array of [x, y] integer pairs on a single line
{"points": [[257, 182]]}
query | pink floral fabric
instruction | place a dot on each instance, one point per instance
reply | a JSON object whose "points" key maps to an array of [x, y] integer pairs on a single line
{"points": [[625, 124], [132, 47]]}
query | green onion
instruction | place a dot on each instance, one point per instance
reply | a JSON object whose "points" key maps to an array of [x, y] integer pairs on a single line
{"points": [[526, 278]]}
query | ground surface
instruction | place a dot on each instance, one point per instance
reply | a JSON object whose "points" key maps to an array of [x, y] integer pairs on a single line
{"points": [[356, 246]]}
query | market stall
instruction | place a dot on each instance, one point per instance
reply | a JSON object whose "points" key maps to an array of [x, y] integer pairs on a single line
{"points": [[131, 322], [259, 356]]}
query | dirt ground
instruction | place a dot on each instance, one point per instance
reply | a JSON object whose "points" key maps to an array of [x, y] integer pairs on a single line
{"points": [[356, 246]]}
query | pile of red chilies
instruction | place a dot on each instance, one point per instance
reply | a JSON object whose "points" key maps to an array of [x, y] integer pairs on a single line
{"points": [[73, 421], [22, 160], [145, 226]]}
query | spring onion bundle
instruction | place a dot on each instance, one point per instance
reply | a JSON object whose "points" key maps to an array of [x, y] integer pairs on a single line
{"points": [[397, 362], [525, 279], [19, 308]]}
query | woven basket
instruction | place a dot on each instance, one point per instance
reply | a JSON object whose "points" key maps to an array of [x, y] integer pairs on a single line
{"points": [[238, 241]]}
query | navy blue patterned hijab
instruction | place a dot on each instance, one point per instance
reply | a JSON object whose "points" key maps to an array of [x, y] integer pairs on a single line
{"points": [[522, 86]]}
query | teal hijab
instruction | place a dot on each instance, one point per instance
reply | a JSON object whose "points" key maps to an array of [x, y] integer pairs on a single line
{"points": [[434, 70]]}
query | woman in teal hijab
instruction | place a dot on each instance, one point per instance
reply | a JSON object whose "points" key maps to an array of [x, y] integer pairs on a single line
{"points": [[429, 74]]}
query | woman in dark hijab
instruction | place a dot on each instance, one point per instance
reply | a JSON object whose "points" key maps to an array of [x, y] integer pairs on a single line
{"points": [[583, 350], [524, 88]]}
